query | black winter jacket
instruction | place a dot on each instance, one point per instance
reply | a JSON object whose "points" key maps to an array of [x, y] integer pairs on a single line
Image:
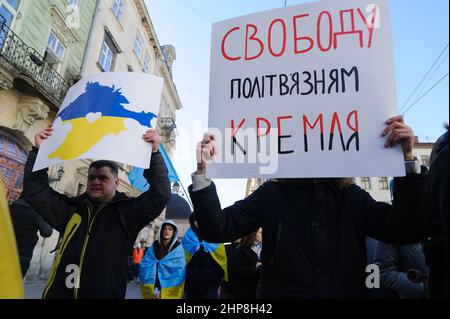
{"points": [[97, 242], [314, 232], [203, 273], [27, 222], [244, 273], [438, 249]]}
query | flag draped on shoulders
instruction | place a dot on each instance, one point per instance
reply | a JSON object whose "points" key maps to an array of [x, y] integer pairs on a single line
{"points": [[171, 273], [191, 244]]}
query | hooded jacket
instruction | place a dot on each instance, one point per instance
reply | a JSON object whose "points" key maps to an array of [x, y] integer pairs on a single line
{"points": [[94, 244], [164, 271], [157, 245]]}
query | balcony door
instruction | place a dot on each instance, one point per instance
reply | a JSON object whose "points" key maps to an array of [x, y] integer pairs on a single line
{"points": [[8, 10]]}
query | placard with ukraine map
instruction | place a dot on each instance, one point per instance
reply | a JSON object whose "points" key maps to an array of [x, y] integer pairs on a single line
{"points": [[103, 116]]}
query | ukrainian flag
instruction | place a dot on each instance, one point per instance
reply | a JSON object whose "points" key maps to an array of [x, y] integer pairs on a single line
{"points": [[138, 181], [171, 274], [191, 244], [11, 286]]}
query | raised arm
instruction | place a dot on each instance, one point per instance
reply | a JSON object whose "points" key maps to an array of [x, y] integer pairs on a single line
{"points": [[150, 204], [216, 224], [408, 220], [52, 206]]}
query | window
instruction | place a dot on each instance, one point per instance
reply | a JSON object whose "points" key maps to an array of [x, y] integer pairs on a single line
{"points": [[118, 9], [19, 181], [11, 148], [383, 183], [72, 2], [108, 53], [9, 173], [106, 57], [23, 156], [425, 159], [146, 63], [6, 14], [138, 45], [14, 4], [365, 182], [8, 9], [56, 47]]}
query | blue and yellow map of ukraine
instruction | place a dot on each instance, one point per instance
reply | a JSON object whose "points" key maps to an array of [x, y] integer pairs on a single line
{"points": [[85, 134]]}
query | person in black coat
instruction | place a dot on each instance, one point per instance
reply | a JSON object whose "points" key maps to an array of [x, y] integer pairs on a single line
{"points": [[227, 287], [99, 227], [315, 229], [26, 223], [246, 269], [203, 274], [437, 249]]}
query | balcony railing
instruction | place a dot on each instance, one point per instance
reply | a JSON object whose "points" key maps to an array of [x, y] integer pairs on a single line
{"points": [[29, 62]]}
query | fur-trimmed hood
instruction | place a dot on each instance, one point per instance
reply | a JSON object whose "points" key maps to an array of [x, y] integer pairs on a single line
{"points": [[175, 233]]}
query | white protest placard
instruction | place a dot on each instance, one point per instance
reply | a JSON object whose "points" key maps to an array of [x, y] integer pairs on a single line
{"points": [[103, 116], [304, 91]]}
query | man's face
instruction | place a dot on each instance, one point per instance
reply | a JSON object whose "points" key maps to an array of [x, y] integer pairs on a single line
{"points": [[168, 231], [101, 184]]}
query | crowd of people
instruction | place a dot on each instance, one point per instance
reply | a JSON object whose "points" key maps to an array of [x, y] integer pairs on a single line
{"points": [[291, 238]]}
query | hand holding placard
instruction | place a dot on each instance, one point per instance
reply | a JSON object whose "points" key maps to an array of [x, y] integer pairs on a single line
{"points": [[43, 135], [399, 133], [206, 150]]}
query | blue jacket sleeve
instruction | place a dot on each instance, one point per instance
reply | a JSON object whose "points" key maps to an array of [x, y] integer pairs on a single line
{"points": [[392, 277]]}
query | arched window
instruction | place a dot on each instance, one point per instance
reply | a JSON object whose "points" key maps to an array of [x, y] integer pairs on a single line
{"points": [[12, 162]]}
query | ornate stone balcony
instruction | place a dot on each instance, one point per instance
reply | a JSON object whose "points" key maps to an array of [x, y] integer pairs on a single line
{"points": [[26, 64]]}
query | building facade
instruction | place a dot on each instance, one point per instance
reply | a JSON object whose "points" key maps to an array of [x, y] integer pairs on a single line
{"points": [[40, 58], [42, 44], [47, 46]]}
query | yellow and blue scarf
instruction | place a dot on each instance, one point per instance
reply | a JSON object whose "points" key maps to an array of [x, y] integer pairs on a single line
{"points": [[171, 274], [191, 244]]}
